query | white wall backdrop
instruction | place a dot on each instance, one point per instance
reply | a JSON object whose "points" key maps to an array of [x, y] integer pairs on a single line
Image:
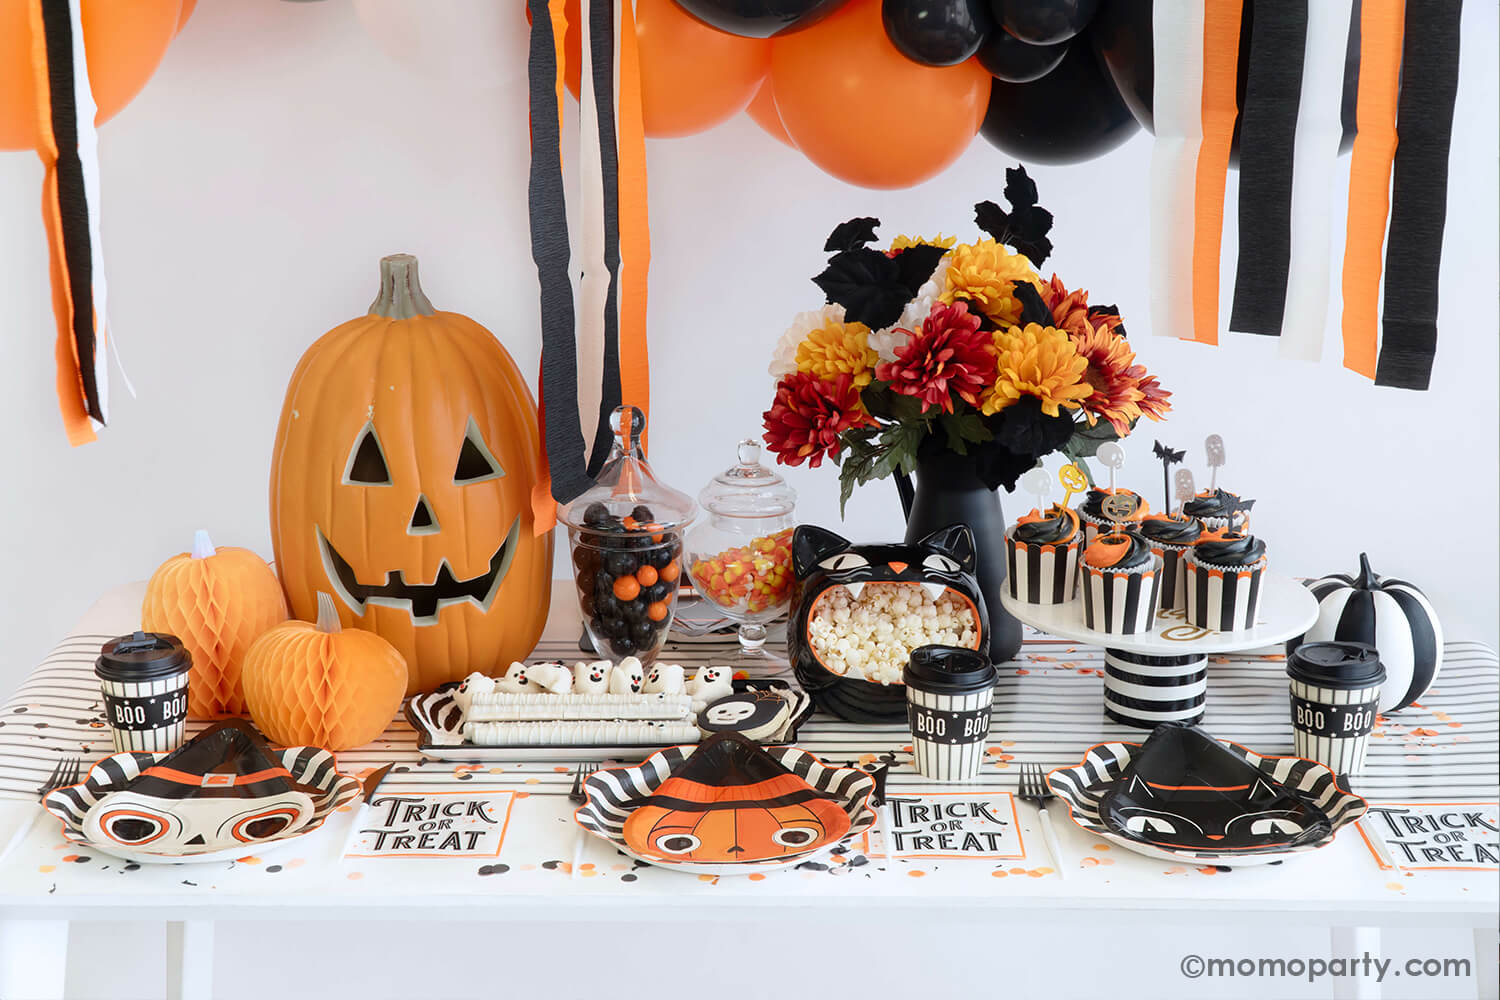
{"points": [[277, 154]]}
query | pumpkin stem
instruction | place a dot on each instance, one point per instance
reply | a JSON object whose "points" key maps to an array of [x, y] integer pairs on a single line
{"points": [[328, 614], [1367, 578], [203, 546], [401, 295]]}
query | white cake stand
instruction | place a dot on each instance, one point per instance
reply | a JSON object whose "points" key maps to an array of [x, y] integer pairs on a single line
{"points": [[1162, 675]]}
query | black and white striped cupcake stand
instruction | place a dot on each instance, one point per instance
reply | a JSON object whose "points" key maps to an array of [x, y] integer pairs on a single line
{"points": [[1162, 675]]}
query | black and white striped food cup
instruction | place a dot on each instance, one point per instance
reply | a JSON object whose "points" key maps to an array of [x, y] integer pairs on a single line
{"points": [[144, 680], [1335, 691], [949, 691]]}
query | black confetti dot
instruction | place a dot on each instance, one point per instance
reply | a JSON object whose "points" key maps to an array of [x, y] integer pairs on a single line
{"points": [[465, 776], [273, 869], [41, 725], [132, 867], [812, 866], [841, 849], [493, 869], [551, 866], [20, 711], [81, 859], [858, 860], [1223, 868], [628, 877]]}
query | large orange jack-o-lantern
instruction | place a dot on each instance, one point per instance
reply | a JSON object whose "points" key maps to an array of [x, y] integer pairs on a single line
{"points": [[401, 482]]}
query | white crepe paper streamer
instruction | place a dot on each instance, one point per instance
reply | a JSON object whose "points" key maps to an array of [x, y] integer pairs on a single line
{"points": [[1177, 103], [593, 287], [1315, 173]]}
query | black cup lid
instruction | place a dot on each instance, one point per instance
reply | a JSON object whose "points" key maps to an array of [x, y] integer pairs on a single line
{"points": [[1339, 665], [948, 670], [143, 656]]}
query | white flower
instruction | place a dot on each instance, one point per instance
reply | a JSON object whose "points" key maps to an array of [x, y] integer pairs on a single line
{"points": [[784, 360]]}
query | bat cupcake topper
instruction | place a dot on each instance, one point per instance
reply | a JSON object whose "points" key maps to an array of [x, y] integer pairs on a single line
{"points": [[1169, 457]]}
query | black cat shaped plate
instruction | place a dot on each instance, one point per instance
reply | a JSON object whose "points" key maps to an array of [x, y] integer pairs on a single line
{"points": [[1185, 796]]}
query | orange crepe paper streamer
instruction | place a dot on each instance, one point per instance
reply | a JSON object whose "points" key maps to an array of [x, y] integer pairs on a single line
{"points": [[1381, 32], [1221, 53], [543, 507], [70, 397], [635, 230]]}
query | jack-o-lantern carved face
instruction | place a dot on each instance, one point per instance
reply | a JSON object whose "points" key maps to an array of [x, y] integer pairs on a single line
{"points": [[401, 482], [733, 802]]}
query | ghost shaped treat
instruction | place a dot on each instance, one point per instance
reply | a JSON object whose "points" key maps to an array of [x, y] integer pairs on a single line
{"points": [[475, 683], [516, 680], [628, 677], [665, 678], [709, 684], [553, 678], [591, 678]]}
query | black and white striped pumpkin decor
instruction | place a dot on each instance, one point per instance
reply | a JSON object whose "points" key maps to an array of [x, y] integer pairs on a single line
{"points": [[1389, 614]]}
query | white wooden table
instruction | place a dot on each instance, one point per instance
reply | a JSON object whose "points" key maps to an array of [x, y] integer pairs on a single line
{"points": [[1048, 709]]}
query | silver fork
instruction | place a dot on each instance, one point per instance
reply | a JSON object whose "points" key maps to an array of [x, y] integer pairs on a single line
{"points": [[578, 797], [1033, 788], [66, 773]]}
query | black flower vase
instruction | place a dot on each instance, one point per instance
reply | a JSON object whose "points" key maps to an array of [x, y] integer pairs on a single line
{"points": [[949, 491]]}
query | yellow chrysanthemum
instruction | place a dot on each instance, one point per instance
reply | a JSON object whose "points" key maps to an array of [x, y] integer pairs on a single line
{"points": [[984, 275], [902, 242], [1037, 361], [836, 348]]}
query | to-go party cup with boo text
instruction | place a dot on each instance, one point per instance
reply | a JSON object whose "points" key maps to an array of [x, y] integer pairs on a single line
{"points": [[144, 680], [949, 690]]}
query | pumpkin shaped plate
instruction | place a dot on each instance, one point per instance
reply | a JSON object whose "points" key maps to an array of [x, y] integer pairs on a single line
{"points": [[439, 724], [222, 795], [700, 809], [1184, 796]]}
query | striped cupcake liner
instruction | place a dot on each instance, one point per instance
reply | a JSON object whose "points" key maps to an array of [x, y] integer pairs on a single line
{"points": [[1145, 691], [1121, 602], [1222, 598], [1173, 574], [1041, 574]]}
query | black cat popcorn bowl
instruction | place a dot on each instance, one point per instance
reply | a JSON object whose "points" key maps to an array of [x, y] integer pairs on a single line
{"points": [[833, 577]]}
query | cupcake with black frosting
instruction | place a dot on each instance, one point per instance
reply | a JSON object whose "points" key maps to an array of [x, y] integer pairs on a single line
{"points": [[1091, 512], [1170, 537], [1219, 510], [1041, 551], [1121, 578], [1223, 581]]}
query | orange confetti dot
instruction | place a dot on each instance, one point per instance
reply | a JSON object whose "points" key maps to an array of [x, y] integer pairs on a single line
{"points": [[523, 795], [585, 867], [1106, 861], [1002, 765], [588, 874], [497, 770], [533, 781], [867, 758], [1007, 743], [70, 858], [916, 874], [1018, 871], [1175, 870], [44, 869], [708, 878], [344, 809], [294, 863], [560, 770], [249, 859], [1209, 871], [757, 876], [1101, 847], [1021, 673], [1440, 716], [1424, 731], [1039, 872], [1068, 666], [997, 873], [906, 749], [1395, 886], [1042, 659], [355, 876], [1089, 862]]}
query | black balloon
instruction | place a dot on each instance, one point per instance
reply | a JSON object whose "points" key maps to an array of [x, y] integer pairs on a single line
{"points": [[760, 18], [1121, 35], [936, 32], [1044, 22], [1070, 115], [1008, 58]]}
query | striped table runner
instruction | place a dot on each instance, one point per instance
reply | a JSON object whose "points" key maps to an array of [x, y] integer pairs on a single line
{"points": [[1048, 709]]}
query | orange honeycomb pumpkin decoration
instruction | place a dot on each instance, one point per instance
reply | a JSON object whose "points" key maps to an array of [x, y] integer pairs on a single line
{"points": [[217, 601], [318, 685], [401, 483]]}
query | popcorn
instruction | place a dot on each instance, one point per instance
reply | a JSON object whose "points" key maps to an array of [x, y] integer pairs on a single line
{"points": [[872, 636]]}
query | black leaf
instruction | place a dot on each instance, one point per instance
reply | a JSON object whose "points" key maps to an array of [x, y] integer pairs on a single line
{"points": [[1109, 310], [1022, 434], [867, 284], [915, 265], [1026, 225], [1033, 309], [851, 235]]}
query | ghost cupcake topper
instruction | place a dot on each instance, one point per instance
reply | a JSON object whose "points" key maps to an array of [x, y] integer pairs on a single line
{"points": [[1036, 482], [1213, 447], [1186, 488], [1113, 457]]}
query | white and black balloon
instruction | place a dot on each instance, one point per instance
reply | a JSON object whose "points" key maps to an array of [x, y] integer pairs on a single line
{"points": [[1389, 614]]}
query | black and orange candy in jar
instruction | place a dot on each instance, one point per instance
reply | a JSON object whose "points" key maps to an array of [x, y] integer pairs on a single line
{"points": [[625, 534]]}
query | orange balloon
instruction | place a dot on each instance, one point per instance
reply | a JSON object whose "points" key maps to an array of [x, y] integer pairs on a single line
{"points": [[187, 12], [864, 112], [762, 108], [692, 76], [124, 41]]}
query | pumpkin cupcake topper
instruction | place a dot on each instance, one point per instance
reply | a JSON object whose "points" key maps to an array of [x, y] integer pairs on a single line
{"points": [[1073, 481]]}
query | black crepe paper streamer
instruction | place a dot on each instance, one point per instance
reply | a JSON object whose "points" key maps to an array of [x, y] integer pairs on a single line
{"points": [[1419, 193], [72, 204], [602, 56], [1268, 131], [549, 248]]}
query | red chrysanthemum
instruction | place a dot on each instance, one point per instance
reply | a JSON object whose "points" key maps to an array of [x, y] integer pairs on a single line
{"points": [[949, 356], [1070, 310], [1154, 399], [807, 416]]}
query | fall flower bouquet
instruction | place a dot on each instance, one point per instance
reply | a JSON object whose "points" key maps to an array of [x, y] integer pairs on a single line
{"points": [[932, 345]]}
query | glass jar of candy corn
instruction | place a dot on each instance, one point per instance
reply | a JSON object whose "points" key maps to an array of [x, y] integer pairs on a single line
{"points": [[739, 554], [625, 537]]}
